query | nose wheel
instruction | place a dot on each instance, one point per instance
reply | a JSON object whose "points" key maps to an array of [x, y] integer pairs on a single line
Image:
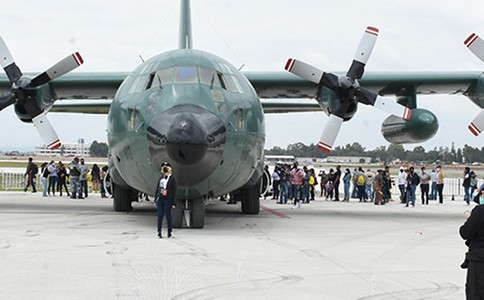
{"points": [[191, 211]]}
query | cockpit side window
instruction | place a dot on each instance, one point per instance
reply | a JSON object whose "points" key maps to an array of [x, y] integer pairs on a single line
{"points": [[161, 78], [209, 77]]}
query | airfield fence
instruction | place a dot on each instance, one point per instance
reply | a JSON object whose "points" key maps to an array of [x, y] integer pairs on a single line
{"points": [[16, 182]]}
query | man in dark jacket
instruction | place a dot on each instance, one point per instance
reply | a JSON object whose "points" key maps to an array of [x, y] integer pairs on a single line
{"points": [[165, 195], [473, 232]]}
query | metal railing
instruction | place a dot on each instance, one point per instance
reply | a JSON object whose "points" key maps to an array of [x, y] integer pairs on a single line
{"points": [[16, 182], [13, 181]]}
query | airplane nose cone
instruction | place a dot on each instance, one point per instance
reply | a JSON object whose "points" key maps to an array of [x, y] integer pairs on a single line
{"points": [[191, 138]]}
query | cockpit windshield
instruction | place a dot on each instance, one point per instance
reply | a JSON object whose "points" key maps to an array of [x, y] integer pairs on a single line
{"points": [[192, 74]]}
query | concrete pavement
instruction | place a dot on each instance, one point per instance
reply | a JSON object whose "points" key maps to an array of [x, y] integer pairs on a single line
{"points": [[59, 248]]}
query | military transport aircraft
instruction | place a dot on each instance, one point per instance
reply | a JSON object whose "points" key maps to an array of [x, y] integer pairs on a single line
{"points": [[200, 113]]}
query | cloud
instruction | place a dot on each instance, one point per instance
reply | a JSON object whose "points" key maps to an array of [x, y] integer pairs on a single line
{"points": [[414, 36]]}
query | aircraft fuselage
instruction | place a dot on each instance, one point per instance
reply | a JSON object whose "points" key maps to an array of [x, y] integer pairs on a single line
{"points": [[193, 110]]}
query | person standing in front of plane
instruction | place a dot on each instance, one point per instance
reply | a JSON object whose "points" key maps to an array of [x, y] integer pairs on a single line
{"points": [[165, 195], [402, 182], [440, 184], [424, 186], [297, 177], [347, 184], [473, 233], [337, 178]]}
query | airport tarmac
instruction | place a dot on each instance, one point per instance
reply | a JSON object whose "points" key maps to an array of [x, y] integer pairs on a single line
{"points": [[59, 248]]}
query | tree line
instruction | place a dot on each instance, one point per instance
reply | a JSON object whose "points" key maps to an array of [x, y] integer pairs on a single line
{"points": [[442, 154]]}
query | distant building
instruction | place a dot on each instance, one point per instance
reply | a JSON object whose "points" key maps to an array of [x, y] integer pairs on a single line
{"points": [[273, 159], [349, 159], [67, 149]]}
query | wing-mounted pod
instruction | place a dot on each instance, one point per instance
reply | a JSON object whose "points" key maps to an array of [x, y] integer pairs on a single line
{"points": [[476, 92], [420, 127], [32, 96], [347, 90]]}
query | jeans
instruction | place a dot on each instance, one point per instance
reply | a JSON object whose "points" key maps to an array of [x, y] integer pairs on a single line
{"points": [[467, 196], [305, 194], [163, 206], [369, 192], [403, 196], [347, 190], [440, 189], [44, 186], [283, 193], [83, 184], [52, 184], [411, 194], [295, 192], [424, 189], [433, 192]]}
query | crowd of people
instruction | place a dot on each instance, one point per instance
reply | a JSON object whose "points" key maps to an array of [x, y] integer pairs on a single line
{"points": [[291, 182], [57, 177]]}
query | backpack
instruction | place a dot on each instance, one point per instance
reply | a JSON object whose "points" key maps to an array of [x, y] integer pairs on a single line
{"points": [[35, 169], [360, 179]]}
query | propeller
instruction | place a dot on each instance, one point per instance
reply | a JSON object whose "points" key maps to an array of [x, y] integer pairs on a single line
{"points": [[24, 91], [347, 88], [476, 45]]}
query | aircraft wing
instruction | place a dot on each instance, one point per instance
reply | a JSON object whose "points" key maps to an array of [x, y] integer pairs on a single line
{"points": [[284, 85], [280, 92]]}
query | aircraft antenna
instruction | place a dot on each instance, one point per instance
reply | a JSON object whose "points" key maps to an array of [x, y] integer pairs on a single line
{"points": [[141, 57], [240, 68], [185, 39]]}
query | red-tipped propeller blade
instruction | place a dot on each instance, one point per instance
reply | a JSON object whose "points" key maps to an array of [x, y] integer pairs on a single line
{"points": [[476, 45], [64, 66], [46, 131], [330, 133], [477, 125], [363, 53]]}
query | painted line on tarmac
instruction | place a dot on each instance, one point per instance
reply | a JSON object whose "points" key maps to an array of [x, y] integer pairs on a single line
{"points": [[274, 212]]}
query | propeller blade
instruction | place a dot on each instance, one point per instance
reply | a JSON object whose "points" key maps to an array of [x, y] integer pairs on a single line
{"points": [[8, 64], [385, 104], [64, 66], [304, 70], [311, 73], [330, 133], [476, 45], [363, 53], [477, 125], [6, 99], [46, 131]]}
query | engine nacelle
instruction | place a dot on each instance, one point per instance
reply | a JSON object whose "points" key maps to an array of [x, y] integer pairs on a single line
{"points": [[422, 126], [26, 109], [329, 102]]}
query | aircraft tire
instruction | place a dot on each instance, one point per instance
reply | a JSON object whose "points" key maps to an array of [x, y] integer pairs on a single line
{"points": [[177, 214], [197, 213], [251, 200], [122, 198]]}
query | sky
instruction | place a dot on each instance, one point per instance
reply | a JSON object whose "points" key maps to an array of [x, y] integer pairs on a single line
{"points": [[259, 35]]}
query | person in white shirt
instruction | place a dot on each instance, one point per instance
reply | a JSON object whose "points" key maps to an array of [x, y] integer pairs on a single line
{"points": [[402, 181]]}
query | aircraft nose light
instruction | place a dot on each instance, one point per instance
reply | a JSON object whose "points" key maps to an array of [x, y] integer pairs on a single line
{"points": [[191, 138]]}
